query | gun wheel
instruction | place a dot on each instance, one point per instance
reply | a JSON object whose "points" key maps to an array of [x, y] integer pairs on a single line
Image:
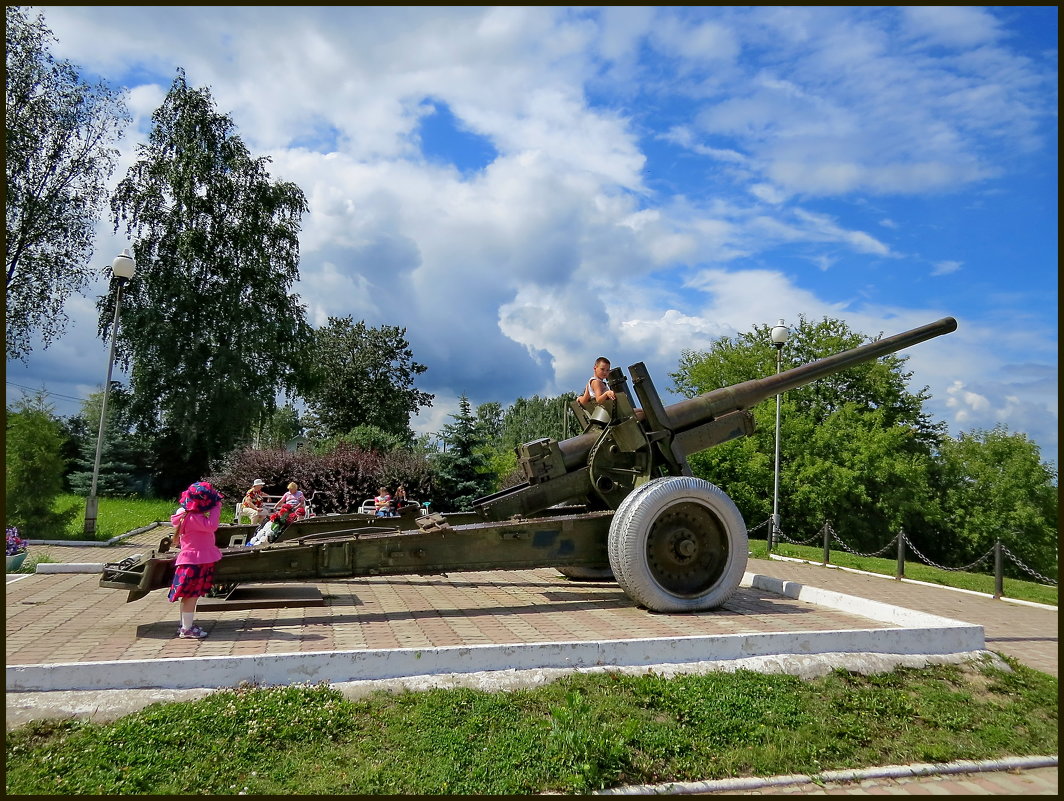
{"points": [[678, 544]]}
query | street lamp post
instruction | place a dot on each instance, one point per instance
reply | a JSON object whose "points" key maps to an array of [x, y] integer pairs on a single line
{"points": [[122, 269], [779, 335]]}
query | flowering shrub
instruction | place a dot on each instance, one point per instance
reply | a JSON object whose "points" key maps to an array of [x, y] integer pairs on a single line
{"points": [[340, 479], [15, 543]]}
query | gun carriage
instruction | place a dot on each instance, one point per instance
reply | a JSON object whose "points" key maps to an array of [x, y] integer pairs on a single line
{"points": [[618, 499]]}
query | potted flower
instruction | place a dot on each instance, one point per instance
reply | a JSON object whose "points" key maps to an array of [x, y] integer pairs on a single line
{"points": [[16, 550]]}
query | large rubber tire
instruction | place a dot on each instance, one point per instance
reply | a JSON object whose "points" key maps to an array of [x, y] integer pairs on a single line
{"points": [[620, 521], [678, 544], [587, 573]]}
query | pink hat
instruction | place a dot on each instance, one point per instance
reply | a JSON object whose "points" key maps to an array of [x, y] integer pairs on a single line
{"points": [[200, 497]]}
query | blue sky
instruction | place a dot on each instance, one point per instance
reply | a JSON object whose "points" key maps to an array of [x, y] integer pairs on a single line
{"points": [[525, 189]]}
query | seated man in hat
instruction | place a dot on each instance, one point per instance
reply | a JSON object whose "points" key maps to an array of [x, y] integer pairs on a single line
{"points": [[254, 502]]}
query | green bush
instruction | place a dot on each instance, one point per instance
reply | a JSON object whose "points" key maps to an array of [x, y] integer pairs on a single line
{"points": [[35, 470]]}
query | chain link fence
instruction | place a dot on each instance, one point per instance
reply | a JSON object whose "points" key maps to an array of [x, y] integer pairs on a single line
{"points": [[900, 541]]}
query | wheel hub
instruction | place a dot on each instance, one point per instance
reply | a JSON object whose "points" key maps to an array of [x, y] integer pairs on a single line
{"points": [[687, 549]]}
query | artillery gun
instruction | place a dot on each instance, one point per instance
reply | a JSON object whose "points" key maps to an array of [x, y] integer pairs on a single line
{"points": [[617, 499]]}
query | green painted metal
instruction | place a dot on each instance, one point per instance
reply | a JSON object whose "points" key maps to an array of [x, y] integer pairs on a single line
{"points": [[575, 540]]}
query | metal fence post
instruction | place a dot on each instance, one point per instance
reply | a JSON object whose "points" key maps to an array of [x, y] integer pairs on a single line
{"points": [[827, 542], [900, 572], [999, 571]]}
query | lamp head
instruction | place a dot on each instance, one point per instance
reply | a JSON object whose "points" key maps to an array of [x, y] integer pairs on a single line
{"points": [[779, 334], [123, 265]]}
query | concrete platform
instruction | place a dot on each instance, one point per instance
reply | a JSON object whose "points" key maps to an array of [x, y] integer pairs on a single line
{"points": [[63, 624], [67, 633]]}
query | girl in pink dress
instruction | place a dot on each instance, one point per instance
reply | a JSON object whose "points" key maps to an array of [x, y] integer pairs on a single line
{"points": [[195, 522]]}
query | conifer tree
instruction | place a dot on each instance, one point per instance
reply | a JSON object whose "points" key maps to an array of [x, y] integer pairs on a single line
{"points": [[461, 473], [123, 469]]}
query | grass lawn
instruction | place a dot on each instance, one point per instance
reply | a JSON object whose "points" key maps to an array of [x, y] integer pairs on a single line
{"points": [[115, 516], [578, 734]]}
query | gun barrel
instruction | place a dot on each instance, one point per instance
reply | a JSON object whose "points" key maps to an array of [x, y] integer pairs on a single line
{"points": [[710, 405], [694, 412]]}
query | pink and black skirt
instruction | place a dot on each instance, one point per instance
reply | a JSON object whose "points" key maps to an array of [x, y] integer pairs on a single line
{"points": [[192, 581]]}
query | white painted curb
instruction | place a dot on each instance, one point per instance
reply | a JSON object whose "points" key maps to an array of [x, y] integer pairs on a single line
{"points": [[98, 543], [886, 772]]}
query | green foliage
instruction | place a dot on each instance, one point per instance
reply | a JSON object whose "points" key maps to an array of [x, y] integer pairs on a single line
{"points": [[739, 710], [210, 330], [462, 473], [221, 734], [880, 384], [364, 437], [744, 469], [887, 565], [283, 426], [576, 735], [856, 447], [425, 444], [854, 467], [858, 451], [34, 470], [34, 559], [123, 466], [527, 419], [57, 151], [995, 486], [502, 464], [489, 420], [357, 375], [499, 459], [435, 731], [584, 747], [115, 516], [76, 430]]}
